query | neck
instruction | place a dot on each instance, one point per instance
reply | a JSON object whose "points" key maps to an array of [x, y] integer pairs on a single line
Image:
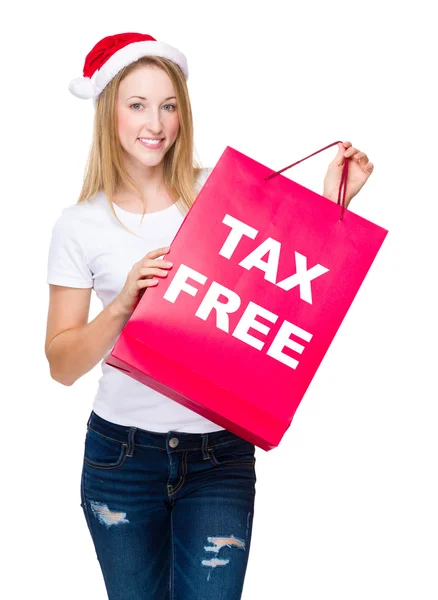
{"points": [[150, 180]]}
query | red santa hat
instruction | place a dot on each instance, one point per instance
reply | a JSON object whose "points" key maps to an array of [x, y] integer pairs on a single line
{"points": [[113, 53]]}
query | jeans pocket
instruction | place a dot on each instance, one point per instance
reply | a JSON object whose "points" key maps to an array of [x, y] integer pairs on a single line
{"points": [[102, 452], [239, 452]]}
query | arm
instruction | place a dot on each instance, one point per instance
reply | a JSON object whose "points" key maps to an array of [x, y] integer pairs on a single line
{"points": [[74, 346]]}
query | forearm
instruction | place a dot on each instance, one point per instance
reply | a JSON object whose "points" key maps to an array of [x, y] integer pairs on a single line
{"points": [[76, 351]]}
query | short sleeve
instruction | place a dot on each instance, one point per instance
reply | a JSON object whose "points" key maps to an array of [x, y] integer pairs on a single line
{"points": [[67, 263]]}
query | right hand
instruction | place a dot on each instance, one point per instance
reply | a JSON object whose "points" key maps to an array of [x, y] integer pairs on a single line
{"points": [[143, 274]]}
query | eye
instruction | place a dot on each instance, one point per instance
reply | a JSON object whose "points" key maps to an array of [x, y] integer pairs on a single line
{"points": [[173, 106]]}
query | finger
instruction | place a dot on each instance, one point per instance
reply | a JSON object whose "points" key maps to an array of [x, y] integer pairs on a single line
{"points": [[339, 158], [163, 263], [143, 283], [148, 272], [158, 252], [361, 156], [347, 144], [369, 167], [152, 264], [150, 261], [350, 151]]}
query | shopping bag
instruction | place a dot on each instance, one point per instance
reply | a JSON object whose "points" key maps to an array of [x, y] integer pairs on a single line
{"points": [[264, 271]]}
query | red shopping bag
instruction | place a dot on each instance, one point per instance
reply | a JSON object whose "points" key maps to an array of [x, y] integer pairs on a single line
{"points": [[264, 271]]}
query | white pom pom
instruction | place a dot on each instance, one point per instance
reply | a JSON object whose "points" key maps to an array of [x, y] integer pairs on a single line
{"points": [[81, 88]]}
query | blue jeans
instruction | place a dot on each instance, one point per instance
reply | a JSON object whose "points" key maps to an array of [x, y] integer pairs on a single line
{"points": [[170, 514]]}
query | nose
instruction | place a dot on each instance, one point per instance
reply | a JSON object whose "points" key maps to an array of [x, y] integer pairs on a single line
{"points": [[153, 121]]}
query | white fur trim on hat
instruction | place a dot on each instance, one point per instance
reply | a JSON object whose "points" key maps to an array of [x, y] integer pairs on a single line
{"points": [[129, 54]]}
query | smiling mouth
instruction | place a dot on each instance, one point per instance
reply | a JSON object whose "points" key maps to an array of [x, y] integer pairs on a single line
{"points": [[150, 139], [151, 144]]}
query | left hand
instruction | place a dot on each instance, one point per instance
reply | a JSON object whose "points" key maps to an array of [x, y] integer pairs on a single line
{"points": [[359, 170]]}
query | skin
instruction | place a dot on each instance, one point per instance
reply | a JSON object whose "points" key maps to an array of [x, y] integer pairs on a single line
{"points": [[359, 169], [157, 116]]}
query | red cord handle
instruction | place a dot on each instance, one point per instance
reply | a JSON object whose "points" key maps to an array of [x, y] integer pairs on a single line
{"points": [[342, 186]]}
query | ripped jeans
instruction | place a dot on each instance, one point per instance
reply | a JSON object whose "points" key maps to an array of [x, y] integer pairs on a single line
{"points": [[170, 514]]}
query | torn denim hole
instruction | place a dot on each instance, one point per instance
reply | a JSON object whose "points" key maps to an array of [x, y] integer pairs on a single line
{"points": [[217, 544], [107, 517]]}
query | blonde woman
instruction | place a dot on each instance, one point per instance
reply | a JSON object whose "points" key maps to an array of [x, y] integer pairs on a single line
{"points": [[168, 496]]}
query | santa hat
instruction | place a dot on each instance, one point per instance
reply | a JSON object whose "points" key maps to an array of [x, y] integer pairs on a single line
{"points": [[112, 54]]}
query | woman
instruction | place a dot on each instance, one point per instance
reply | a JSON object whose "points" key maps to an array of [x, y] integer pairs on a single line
{"points": [[168, 495]]}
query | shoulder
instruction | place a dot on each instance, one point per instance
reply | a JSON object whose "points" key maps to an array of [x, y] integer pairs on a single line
{"points": [[75, 217], [67, 217]]}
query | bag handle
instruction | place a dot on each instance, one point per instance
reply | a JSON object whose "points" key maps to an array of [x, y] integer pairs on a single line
{"points": [[342, 186]]}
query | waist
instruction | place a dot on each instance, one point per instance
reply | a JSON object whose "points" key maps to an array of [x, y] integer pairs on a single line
{"points": [[172, 440]]}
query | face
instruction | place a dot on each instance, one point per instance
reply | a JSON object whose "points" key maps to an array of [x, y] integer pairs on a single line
{"points": [[147, 111]]}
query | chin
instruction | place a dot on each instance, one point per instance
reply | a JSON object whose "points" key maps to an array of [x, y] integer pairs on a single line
{"points": [[148, 161], [151, 162]]}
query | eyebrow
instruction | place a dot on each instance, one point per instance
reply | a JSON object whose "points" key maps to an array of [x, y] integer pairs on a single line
{"points": [[143, 98]]}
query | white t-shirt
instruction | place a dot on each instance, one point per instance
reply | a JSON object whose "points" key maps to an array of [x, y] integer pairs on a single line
{"points": [[90, 249]]}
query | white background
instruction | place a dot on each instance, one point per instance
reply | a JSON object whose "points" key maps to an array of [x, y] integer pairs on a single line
{"points": [[346, 506]]}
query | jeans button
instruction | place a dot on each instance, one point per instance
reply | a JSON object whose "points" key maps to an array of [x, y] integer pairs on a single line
{"points": [[173, 442]]}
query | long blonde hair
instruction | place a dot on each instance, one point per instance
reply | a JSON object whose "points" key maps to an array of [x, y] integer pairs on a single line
{"points": [[105, 167]]}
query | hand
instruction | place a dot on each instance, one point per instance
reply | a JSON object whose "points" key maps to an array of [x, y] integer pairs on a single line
{"points": [[359, 170], [140, 277]]}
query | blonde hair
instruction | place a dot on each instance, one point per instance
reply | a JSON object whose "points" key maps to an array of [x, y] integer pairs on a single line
{"points": [[105, 166]]}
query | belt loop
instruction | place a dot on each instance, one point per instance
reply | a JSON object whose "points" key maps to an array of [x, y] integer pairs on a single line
{"points": [[205, 446], [131, 435], [89, 419]]}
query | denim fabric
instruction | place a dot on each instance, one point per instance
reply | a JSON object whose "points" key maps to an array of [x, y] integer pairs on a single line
{"points": [[170, 514]]}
